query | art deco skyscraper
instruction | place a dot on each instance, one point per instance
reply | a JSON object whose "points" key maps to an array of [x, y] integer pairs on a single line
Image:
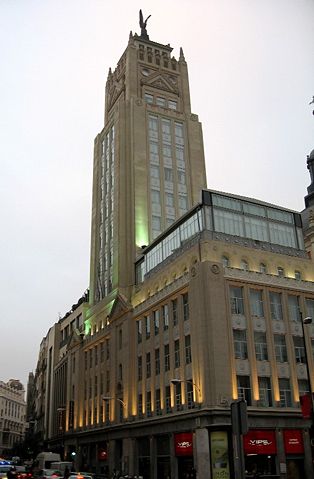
{"points": [[149, 163]]}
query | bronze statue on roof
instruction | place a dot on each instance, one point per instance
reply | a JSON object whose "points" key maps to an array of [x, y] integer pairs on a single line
{"points": [[143, 26]]}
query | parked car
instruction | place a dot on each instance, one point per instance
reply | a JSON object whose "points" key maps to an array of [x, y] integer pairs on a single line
{"points": [[80, 475], [48, 474], [4, 468], [23, 473]]}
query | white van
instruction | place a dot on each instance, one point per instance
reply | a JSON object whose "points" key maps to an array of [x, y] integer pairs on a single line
{"points": [[45, 459]]}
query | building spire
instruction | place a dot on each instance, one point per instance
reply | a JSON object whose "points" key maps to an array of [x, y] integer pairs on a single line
{"points": [[143, 26], [181, 58]]}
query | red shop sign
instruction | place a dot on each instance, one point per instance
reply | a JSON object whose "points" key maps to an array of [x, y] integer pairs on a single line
{"points": [[183, 444], [259, 441], [293, 441]]}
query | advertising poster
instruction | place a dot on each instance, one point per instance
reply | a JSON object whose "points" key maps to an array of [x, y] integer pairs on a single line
{"points": [[219, 455]]}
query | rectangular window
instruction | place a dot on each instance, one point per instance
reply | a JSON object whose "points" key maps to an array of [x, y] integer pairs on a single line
{"points": [[167, 357], [294, 308], [168, 174], [265, 396], [188, 352], [147, 326], [185, 299], [275, 306], [304, 388], [158, 402], [178, 396], [256, 301], [177, 353], [228, 222], [168, 399], [90, 358], [280, 348], [102, 352], [161, 102], [107, 349], [156, 321], [240, 344], [157, 362], [172, 105], [260, 343], [96, 355], [148, 404], [236, 300], [139, 368], [174, 304], [299, 349], [169, 200], [140, 405], [155, 196], [149, 98], [285, 393], [165, 316], [310, 307], [139, 330], [85, 359], [148, 365], [190, 395], [244, 389]]}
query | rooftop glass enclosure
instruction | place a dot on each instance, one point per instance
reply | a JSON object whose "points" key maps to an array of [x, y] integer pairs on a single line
{"points": [[230, 215]]}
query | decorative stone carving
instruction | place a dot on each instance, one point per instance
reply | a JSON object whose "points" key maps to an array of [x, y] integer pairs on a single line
{"points": [[259, 324], [215, 269]]}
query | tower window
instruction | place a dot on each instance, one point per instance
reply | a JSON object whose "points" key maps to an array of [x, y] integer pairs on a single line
{"points": [[161, 102], [149, 98], [172, 105]]}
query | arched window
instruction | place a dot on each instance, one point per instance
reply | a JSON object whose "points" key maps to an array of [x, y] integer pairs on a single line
{"points": [[225, 261], [281, 271], [262, 268], [297, 275], [244, 265]]}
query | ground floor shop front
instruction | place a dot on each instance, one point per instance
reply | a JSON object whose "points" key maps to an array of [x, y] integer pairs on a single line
{"points": [[190, 449]]}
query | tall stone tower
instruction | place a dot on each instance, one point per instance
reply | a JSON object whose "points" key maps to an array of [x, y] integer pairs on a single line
{"points": [[149, 163]]}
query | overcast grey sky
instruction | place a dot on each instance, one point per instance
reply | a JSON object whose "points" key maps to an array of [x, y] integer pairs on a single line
{"points": [[251, 67]]}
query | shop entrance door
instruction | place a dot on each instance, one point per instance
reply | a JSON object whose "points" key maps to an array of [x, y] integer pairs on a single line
{"points": [[295, 468], [185, 468]]}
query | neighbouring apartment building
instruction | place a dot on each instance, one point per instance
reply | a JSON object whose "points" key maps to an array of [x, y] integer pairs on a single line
{"points": [[197, 298], [12, 414]]}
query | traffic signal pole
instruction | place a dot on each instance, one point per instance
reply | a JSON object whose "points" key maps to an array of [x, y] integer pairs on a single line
{"points": [[239, 427]]}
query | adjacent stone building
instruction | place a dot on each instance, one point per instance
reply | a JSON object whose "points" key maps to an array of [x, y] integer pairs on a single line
{"points": [[12, 415]]}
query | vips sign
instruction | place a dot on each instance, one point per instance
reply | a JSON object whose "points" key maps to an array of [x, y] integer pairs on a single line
{"points": [[260, 442], [183, 444], [219, 455]]}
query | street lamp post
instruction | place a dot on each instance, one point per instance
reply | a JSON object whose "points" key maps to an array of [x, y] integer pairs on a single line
{"points": [[61, 426], [111, 398], [176, 381]]}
